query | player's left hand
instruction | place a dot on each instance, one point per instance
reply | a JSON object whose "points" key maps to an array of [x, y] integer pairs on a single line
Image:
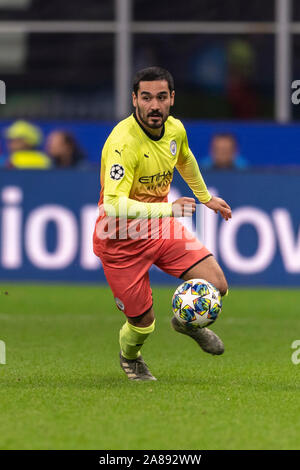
{"points": [[219, 205]]}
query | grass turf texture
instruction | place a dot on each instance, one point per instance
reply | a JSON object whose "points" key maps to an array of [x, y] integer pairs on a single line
{"points": [[62, 387]]}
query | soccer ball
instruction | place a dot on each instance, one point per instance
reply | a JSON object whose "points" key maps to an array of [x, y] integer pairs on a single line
{"points": [[196, 303]]}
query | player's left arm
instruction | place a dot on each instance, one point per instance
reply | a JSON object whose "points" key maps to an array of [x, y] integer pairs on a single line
{"points": [[189, 170]]}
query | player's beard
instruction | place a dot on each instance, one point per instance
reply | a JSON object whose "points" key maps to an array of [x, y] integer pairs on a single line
{"points": [[145, 118]]}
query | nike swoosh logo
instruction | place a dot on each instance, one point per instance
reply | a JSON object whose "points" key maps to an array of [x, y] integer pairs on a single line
{"points": [[118, 152], [147, 156]]}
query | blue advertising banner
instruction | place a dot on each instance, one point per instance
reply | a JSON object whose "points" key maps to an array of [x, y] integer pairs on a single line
{"points": [[47, 219], [259, 143]]}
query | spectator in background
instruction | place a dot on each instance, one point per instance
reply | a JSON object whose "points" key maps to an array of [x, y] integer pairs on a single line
{"points": [[65, 152], [224, 154], [22, 142]]}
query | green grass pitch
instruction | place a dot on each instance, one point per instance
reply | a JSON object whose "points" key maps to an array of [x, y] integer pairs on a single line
{"points": [[62, 387]]}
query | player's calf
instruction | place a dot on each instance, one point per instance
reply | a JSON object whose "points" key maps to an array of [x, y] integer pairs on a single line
{"points": [[221, 285], [132, 339]]}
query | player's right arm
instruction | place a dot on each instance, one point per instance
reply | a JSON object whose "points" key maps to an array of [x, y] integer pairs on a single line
{"points": [[120, 166]]}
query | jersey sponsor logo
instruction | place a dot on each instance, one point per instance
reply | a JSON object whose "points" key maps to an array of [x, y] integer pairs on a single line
{"points": [[165, 176], [173, 147], [119, 303], [117, 172]]}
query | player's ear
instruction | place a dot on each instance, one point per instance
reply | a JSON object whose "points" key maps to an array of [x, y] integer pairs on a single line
{"points": [[134, 99], [172, 97]]}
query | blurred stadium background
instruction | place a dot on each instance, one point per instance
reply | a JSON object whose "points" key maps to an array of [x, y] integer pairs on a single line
{"points": [[67, 67]]}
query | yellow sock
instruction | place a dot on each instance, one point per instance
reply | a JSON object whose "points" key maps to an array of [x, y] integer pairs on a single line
{"points": [[132, 339], [227, 292]]}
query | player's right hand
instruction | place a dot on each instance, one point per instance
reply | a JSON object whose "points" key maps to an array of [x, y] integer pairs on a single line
{"points": [[183, 207]]}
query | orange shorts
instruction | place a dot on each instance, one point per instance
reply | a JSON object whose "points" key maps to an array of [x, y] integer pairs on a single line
{"points": [[126, 264]]}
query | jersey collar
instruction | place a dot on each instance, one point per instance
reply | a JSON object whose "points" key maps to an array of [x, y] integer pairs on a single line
{"points": [[152, 137]]}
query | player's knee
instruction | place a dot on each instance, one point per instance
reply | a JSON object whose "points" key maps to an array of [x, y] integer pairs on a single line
{"points": [[219, 281], [222, 285], [144, 320]]}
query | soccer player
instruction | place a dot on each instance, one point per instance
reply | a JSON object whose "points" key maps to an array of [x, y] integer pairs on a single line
{"points": [[137, 164]]}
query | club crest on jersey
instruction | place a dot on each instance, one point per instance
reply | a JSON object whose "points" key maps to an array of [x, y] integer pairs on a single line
{"points": [[117, 172], [173, 147], [119, 303]]}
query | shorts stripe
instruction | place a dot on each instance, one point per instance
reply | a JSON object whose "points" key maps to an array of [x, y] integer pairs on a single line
{"points": [[199, 261]]}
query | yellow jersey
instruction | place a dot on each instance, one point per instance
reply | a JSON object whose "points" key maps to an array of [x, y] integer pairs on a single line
{"points": [[138, 168]]}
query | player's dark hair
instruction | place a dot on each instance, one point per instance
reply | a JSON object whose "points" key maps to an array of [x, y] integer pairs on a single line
{"points": [[151, 74]]}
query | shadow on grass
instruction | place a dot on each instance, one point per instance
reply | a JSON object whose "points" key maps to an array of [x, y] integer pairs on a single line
{"points": [[41, 381], [259, 385], [114, 380]]}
